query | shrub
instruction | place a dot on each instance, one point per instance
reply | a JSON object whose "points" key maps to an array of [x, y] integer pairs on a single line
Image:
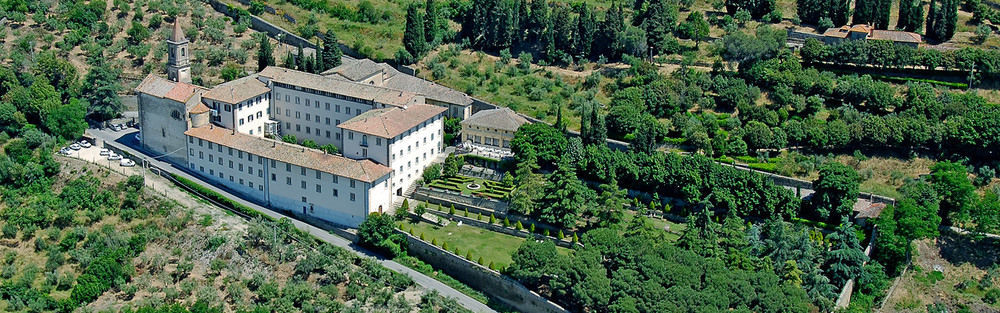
{"points": [[493, 219], [452, 210], [532, 227], [545, 232], [444, 246], [9, 231], [378, 231], [560, 235], [480, 261], [575, 238], [519, 226], [506, 222]]}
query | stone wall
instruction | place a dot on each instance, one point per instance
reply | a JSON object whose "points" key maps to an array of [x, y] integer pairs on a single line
{"points": [[473, 204], [479, 277]]}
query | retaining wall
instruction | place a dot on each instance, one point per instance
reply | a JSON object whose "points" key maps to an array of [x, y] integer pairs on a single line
{"points": [[472, 204], [479, 277]]}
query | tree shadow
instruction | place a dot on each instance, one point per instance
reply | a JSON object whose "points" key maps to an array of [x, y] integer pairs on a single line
{"points": [[959, 249]]}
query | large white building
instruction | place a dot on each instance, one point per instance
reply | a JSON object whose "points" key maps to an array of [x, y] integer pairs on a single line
{"points": [[227, 134]]}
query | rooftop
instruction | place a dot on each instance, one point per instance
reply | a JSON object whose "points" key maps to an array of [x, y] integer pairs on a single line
{"points": [[363, 170], [237, 91], [355, 70], [499, 118], [163, 88], [177, 35], [322, 83], [896, 36], [390, 122]]}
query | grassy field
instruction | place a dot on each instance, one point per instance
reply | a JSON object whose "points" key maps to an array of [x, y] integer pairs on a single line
{"points": [[492, 247], [952, 271], [673, 230]]}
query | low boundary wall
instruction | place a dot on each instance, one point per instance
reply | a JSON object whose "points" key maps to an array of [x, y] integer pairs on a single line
{"points": [[506, 230], [501, 287]]}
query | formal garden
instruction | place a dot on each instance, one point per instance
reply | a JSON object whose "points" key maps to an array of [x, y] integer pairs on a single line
{"points": [[473, 186]]}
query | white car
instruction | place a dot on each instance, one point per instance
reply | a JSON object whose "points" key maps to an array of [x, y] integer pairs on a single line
{"points": [[115, 127], [126, 163], [113, 157], [85, 144], [74, 146], [65, 151], [105, 151]]}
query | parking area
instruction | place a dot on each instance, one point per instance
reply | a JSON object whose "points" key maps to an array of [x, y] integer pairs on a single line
{"points": [[96, 154]]}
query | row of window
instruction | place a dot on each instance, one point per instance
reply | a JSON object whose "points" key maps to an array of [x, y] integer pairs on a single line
{"points": [[321, 93]]}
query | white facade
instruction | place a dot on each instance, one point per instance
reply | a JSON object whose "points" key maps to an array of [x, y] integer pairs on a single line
{"points": [[302, 190], [247, 117], [308, 114], [406, 154]]}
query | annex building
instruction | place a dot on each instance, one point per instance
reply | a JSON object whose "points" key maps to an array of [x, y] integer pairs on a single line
{"points": [[867, 32], [229, 136]]}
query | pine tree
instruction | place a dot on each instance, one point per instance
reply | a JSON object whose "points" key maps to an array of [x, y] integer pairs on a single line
{"points": [[845, 261], [586, 27], [660, 21], [432, 22], [413, 36], [265, 54], [331, 50]]}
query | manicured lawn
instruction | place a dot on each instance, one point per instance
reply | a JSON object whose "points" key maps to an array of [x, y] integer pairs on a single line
{"points": [[461, 184], [491, 246], [675, 228]]}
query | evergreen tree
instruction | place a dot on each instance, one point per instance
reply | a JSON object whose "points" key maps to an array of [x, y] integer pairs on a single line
{"points": [[265, 54], [413, 36], [538, 21], [432, 23], [521, 20], [586, 27], [836, 191], [331, 50], [702, 235], [695, 27], [757, 8], [846, 260], [942, 19], [839, 11], [810, 11], [100, 89], [911, 15], [659, 23], [300, 59], [565, 197], [289, 61], [549, 42], [872, 12], [606, 41], [563, 24]]}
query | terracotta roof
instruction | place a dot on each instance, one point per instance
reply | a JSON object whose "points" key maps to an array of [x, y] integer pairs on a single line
{"points": [[895, 36], [500, 118], [237, 91], [363, 170], [163, 88], [178, 34], [861, 28], [871, 210], [390, 122], [322, 83], [199, 108]]}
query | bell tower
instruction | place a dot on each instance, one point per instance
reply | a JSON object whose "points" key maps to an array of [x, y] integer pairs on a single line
{"points": [[178, 64]]}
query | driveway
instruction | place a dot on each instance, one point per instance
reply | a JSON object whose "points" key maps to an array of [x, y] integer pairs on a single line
{"points": [[125, 141]]}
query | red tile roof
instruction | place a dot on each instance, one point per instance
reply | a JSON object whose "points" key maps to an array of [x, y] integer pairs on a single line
{"points": [[390, 122]]}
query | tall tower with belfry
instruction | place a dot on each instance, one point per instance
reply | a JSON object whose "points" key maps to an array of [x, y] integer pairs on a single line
{"points": [[178, 64]]}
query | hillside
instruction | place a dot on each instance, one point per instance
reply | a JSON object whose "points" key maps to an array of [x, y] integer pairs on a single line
{"points": [[133, 36], [180, 251]]}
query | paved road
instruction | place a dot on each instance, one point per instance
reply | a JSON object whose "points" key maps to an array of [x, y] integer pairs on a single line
{"points": [[125, 141]]}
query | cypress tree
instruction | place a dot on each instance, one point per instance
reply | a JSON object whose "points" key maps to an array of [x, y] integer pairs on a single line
{"points": [[265, 54], [432, 21], [563, 24], [839, 11], [331, 50], [413, 36], [911, 15], [586, 26], [607, 42], [548, 42], [300, 60], [538, 20], [941, 19], [520, 20], [289, 61]]}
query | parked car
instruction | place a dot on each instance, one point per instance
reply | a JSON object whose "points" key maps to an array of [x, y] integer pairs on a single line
{"points": [[126, 163], [116, 127], [85, 144], [65, 151], [74, 146], [105, 151], [113, 157]]}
